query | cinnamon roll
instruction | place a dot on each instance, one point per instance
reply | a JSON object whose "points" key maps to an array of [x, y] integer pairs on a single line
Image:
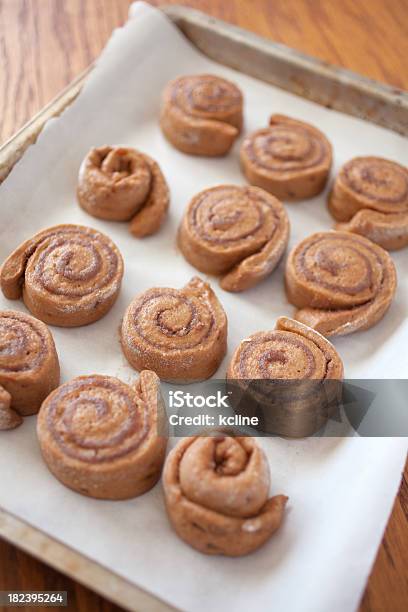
{"points": [[67, 275], [201, 114], [217, 495], [370, 198], [290, 377], [179, 334], [9, 418], [122, 184], [29, 366], [340, 282], [291, 159], [103, 438], [240, 233]]}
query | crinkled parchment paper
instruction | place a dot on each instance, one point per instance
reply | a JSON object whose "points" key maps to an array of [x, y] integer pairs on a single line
{"points": [[341, 490]]}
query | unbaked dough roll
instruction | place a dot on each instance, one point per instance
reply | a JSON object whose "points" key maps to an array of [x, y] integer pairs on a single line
{"points": [[179, 334], [370, 198], [29, 367], [240, 233], [67, 275], [300, 378], [122, 184], [104, 438], [292, 351], [201, 114], [9, 418], [291, 159], [340, 282], [217, 495]]}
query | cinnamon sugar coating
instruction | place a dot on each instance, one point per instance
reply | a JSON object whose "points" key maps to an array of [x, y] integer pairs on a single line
{"points": [[122, 184], [340, 282], [181, 334], [292, 374], [201, 114], [29, 366], [240, 233], [217, 495], [291, 159], [103, 438], [67, 275], [370, 198]]}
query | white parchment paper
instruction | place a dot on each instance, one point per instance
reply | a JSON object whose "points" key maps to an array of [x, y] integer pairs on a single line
{"points": [[341, 490]]}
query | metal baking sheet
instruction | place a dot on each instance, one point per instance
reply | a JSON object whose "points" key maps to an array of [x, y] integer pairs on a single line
{"points": [[274, 64]]}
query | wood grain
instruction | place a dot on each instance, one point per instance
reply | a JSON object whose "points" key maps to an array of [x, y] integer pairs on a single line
{"points": [[19, 571], [44, 44]]}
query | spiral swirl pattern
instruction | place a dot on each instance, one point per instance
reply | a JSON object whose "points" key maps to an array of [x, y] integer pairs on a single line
{"points": [[29, 367], [206, 95], [341, 282], [180, 335], [370, 198], [383, 182], [239, 232], [122, 184], [95, 419], [23, 345], [267, 355], [292, 374], [69, 275], [290, 159], [216, 492], [96, 432], [202, 114], [285, 148]]}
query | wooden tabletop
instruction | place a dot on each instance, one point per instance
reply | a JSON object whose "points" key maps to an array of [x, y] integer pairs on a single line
{"points": [[44, 44]]}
